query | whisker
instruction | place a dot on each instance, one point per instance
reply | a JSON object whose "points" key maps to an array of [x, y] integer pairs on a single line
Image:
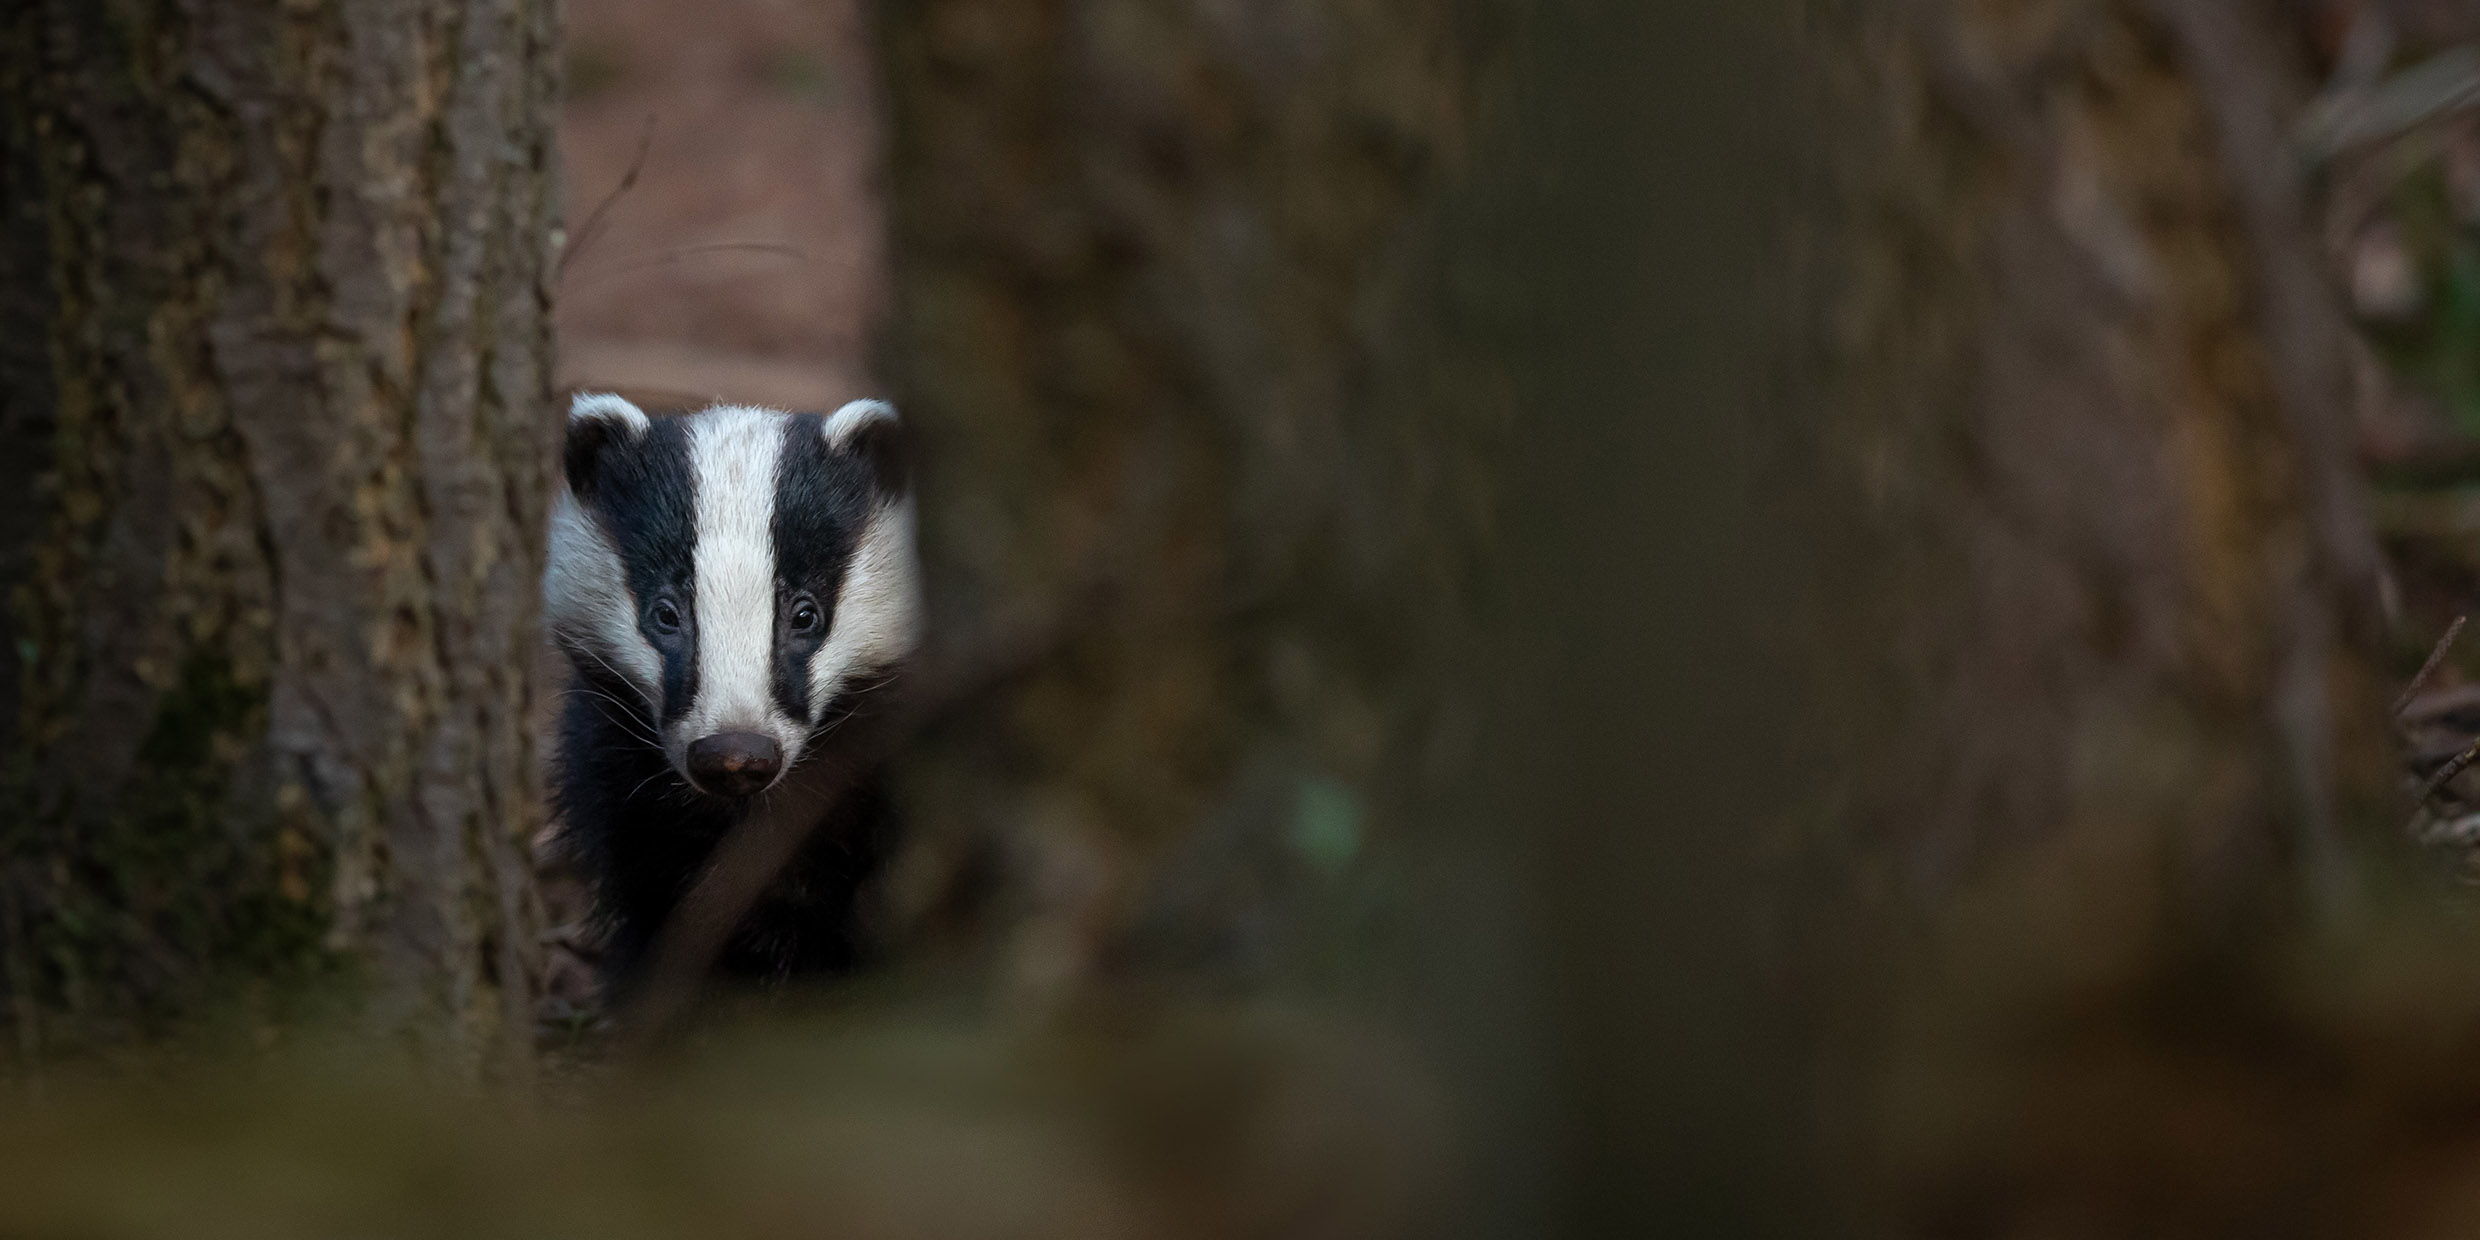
{"points": [[641, 786], [633, 733], [582, 687], [592, 653], [629, 724]]}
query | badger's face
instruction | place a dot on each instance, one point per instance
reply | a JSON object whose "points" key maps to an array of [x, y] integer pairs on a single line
{"points": [[739, 569]]}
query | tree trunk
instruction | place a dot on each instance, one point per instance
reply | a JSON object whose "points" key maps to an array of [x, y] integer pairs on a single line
{"points": [[277, 429], [2114, 649], [2091, 401], [1160, 314], [2103, 595]]}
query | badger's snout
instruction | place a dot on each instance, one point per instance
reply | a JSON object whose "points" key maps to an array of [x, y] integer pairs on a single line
{"points": [[734, 764]]}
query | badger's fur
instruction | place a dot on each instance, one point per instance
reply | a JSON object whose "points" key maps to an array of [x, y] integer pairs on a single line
{"points": [[729, 586]]}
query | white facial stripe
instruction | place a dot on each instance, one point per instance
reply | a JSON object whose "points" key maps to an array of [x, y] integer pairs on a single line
{"points": [[587, 601], [877, 609], [733, 454]]}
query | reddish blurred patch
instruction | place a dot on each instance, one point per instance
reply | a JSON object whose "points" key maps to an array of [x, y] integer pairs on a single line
{"points": [[747, 262]]}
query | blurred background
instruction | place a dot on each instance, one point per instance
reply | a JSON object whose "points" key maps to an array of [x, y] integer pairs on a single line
{"points": [[747, 258], [1602, 618]]}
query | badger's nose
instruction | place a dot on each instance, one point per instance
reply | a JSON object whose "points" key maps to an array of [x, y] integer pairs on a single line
{"points": [[734, 764]]}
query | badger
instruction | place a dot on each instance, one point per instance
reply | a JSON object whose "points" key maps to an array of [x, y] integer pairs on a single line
{"points": [[729, 588]]}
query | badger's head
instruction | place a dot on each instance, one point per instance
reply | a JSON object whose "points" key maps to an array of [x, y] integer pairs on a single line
{"points": [[737, 571]]}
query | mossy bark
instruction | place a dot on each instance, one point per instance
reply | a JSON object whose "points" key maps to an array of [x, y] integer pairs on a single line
{"points": [[275, 405]]}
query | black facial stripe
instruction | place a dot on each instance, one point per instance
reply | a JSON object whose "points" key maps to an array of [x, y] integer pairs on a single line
{"points": [[822, 502], [646, 497]]}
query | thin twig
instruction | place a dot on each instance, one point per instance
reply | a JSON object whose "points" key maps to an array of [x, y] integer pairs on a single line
{"points": [[754, 852], [2436, 659], [744, 864], [593, 227], [2445, 775]]}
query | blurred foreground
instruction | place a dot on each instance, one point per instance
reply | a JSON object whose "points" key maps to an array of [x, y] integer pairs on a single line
{"points": [[1201, 1122]]}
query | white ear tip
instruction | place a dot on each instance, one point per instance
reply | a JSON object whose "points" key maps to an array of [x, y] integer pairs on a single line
{"points": [[606, 406], [852, 417]]}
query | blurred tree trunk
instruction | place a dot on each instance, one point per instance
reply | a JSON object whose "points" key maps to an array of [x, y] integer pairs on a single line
{"points": [[2111, 655], [2097, 578], [1160, 313], [2091, 404], [1235, 298], [274, 401]]}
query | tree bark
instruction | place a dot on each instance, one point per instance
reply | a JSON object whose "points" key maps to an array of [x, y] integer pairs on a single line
{"points": [[275, 405], [2089, 396]]}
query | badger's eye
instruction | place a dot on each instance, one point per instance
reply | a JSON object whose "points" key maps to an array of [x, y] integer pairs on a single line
{"points": [[805, 616], [664, 616]]}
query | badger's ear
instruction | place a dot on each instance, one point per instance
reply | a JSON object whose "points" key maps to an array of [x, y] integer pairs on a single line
{"points": [[595, 421], [870, 430]]}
